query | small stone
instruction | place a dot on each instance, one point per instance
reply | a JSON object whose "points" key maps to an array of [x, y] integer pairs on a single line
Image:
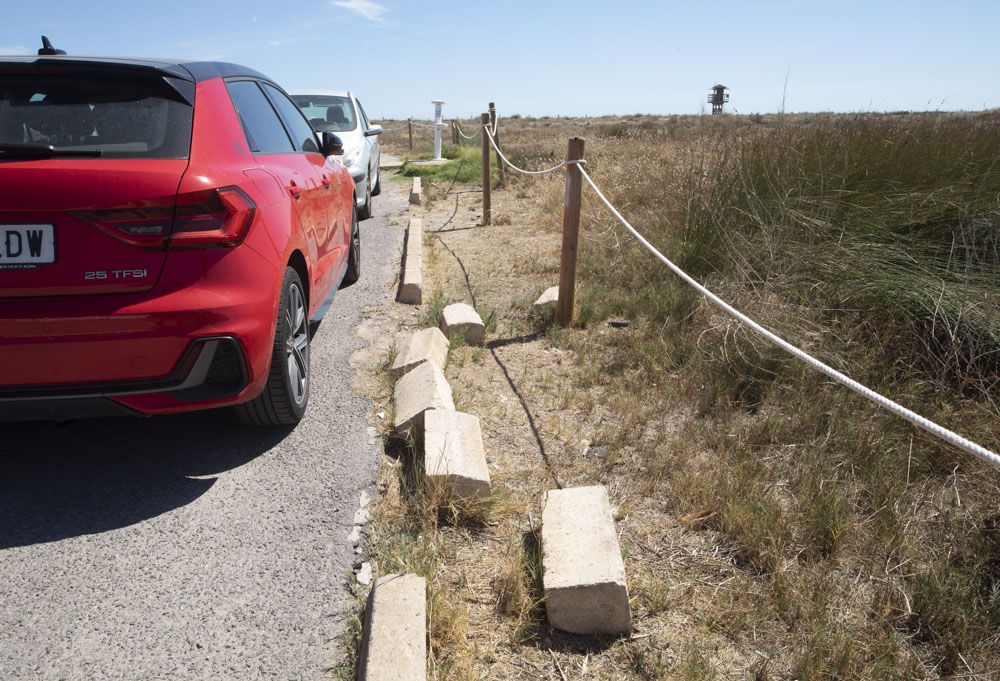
{"points": [[548, 299], [598, 451], [463, 319], [364, 575]]}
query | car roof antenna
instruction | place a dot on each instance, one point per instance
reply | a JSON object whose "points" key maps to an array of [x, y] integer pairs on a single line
{"points": [[47, 48]]}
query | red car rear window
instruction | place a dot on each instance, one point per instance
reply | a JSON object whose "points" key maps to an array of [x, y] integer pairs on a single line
{"points": [[120, 115]]}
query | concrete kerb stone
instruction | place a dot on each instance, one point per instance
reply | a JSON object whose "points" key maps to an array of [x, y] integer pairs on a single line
{"points": [[548, 299], [411, 287], [416, 192], [454, 457], [423, 387], [583, 574], [426, 345], [394, 638], [411, 279], [463, 319]]}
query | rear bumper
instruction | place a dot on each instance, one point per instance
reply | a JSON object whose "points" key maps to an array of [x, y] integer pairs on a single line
{"points": [[141, 351], [210, 370]]}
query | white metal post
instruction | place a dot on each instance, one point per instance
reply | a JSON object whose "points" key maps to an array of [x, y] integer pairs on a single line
{"points": [[438, 124]]}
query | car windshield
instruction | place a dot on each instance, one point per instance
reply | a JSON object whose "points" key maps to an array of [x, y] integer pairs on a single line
{"points": [[328, 113], [120, 116]]}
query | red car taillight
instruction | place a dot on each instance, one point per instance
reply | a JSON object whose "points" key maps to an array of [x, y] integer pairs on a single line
{"points": [[222, 218], [213, 218]]}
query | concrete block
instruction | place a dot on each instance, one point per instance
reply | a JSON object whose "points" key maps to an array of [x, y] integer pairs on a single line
{"points": [[426, 345], [416, 195], [582, 569], [423, 387], [413, 261], [414, 236], [463, 319], [394, 638], [549, 298], [410, 287], [453, 453], [411, 276]]}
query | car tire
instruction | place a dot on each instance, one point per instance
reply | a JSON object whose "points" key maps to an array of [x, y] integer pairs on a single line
{"points": [[365, 211], [354, 254], [286, 393], [377, 189]]}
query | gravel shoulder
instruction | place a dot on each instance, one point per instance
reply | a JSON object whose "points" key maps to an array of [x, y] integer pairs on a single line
{"points": [[190, 546]]}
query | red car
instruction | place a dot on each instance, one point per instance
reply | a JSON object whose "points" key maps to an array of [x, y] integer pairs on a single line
{"points": [[168, 231]]}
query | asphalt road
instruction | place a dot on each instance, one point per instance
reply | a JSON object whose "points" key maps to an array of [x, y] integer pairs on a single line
{"points": [[191, 547]]}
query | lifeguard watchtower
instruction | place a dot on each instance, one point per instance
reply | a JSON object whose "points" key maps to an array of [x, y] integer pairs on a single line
{"points": [[718, 97]]}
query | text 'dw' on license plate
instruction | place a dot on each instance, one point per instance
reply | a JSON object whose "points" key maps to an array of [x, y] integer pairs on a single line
{"points": [[27, 246]]}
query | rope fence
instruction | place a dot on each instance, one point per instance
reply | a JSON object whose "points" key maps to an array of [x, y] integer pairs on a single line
{"points": [[456, 129], [889, 405], [575, 172], [468, 137], [491, 136]]}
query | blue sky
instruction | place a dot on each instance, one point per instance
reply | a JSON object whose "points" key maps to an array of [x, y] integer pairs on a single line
{"points": [[562, 57]]}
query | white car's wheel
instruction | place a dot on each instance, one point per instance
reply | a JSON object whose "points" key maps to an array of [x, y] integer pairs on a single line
{"points": [[365, 211]]}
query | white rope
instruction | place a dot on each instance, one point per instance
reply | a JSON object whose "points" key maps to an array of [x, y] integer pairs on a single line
{"points": [[489, 136], [468, 137], [882, 401]]}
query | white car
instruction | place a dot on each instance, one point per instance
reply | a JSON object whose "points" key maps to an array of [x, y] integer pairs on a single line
{"points": [[340, 112]]}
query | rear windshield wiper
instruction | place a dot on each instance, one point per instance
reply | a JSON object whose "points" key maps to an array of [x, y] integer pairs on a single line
{"points": [[41, 151]]}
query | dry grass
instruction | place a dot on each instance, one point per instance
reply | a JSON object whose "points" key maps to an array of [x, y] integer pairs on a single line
{"points": [[774, 525]]}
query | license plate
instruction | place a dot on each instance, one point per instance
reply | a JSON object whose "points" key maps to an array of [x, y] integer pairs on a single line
{"points": [[27, 246]]}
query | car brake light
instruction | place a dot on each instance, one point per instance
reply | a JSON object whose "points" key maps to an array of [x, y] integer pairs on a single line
{"points": [[216, 218], [146, 226], [212, 218]]}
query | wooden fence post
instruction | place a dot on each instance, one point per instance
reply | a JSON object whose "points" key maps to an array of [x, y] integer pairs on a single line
{"points": [[409, 125], [454, 133], [571, 233], [484, 119], [501, 166]]}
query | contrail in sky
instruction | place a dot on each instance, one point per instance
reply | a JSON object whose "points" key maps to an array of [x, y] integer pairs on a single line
{"points": [[655, 22]]}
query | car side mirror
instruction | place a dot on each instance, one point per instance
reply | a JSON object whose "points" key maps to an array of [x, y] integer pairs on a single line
{"points": [[373, 131], [332, 144]]}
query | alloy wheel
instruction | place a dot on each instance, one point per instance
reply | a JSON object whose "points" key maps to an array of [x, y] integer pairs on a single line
{"points": [[355, 239], [297, 343]]}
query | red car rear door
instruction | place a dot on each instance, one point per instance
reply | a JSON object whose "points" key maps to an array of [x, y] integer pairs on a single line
{"points": [[329, 228], [296, 169]]}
